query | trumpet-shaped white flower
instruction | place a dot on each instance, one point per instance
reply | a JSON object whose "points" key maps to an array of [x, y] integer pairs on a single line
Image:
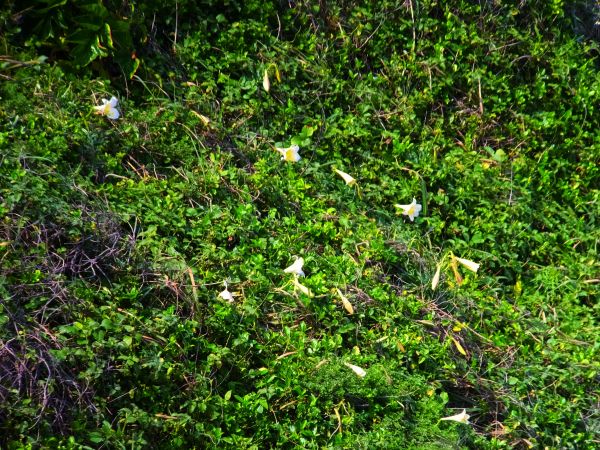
{"points": [[411, 210], [289, 153], [357, 370], [462, 417], [350, 180], [296, 268], [226, 295], [472, 266], [266, 82], [109, 108]]}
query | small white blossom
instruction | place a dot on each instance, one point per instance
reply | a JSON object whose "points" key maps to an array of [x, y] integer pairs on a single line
{"points": [[411, 210], [109, 108], [289, 153]]}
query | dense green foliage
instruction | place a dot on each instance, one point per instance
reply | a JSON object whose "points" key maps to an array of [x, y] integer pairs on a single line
{"points": [[116, 237]]}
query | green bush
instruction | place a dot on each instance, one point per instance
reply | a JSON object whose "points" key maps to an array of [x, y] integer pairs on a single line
{"points": [[116, 237]]}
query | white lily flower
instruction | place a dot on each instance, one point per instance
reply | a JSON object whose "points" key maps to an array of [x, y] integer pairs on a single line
{"points": [[301, 287], [411, 210], [289, 153], [357, 370], [266, 82], [296, 268], [109, 108], [472, 266], [462, 417], [350, 180]]}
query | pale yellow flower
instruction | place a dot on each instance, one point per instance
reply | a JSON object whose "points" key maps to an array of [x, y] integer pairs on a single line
{"points": [[472, 266], [462, 417], [357, 370], [296, 267], [289, 153], [346, 177], [108, 108], [411, 210]]}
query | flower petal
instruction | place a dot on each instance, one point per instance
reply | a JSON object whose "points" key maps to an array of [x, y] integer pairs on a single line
{"points": [[113, 113]]}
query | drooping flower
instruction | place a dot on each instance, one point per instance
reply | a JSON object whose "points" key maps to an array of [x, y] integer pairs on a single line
{"points": [[289, 153], [357, 370], [462, 417], [266, 82], [411, 210], [296, 267], [109, 108], [350, 180], [472, 266]]}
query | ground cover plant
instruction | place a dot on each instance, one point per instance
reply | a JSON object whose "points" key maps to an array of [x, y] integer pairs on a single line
{"points": [[334, 224]]}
